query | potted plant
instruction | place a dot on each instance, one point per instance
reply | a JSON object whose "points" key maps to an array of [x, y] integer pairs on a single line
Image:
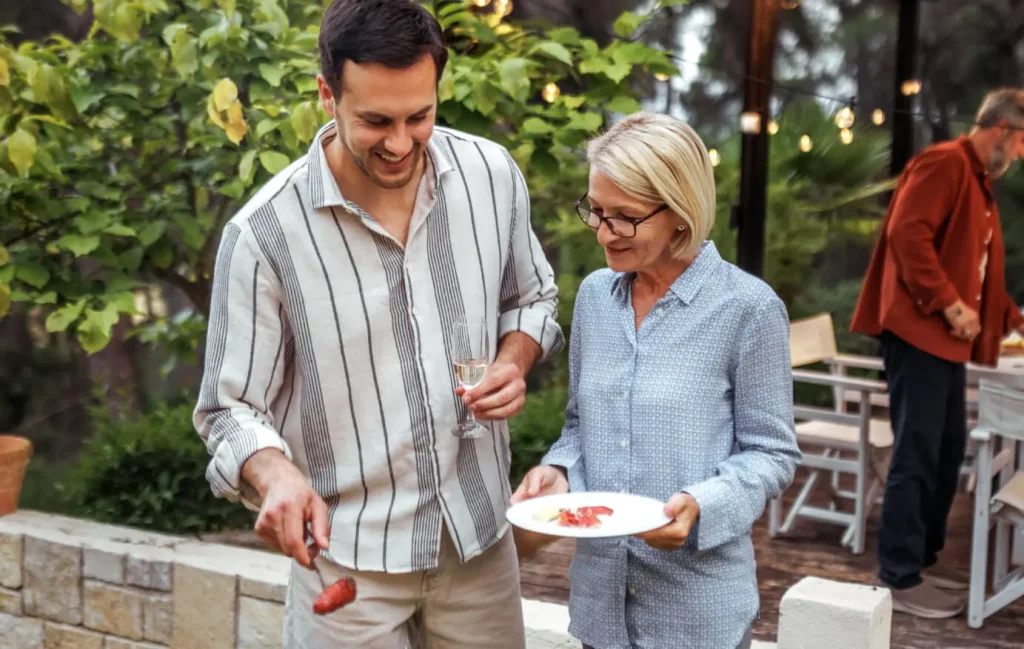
{"points": [[14, 455]]}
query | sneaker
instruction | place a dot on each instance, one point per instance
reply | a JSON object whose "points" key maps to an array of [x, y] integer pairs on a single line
{"points": [[943, 577], [927, 601]]}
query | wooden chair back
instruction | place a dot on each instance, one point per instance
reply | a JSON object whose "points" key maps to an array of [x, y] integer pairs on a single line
{"points": [[812, 340]]}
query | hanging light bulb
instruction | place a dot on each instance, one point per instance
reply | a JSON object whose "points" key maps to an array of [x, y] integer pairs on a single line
{"points": [[773, 127], [661, 76], [481, 3], [910, 87], [844, 117], [714, 157], [878, 117], [503, 7], [846, 136], [551, 92], [789, 4], [806, 144], [750, 122]]}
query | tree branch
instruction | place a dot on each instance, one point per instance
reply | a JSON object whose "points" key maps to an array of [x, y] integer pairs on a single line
{"points": [[194, 291], [39, 229]]}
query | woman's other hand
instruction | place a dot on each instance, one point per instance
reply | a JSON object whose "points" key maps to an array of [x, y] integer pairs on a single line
{"points": [[683, 510], [543, 480]]}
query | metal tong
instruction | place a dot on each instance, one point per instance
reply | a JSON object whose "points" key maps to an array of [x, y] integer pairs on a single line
{"points": [[315, 552]]}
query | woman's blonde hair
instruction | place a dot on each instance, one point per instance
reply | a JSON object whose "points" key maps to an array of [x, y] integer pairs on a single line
{"points": [[660, 159]]}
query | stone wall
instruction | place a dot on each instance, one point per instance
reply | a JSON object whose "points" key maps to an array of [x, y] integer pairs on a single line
{"points": [[72, 584]]}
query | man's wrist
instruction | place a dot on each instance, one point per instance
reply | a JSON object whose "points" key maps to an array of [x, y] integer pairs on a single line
{"points": [[520, 350], [262, 468]]}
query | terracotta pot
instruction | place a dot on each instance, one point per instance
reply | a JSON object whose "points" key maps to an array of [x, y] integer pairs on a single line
{"points": [[14, 455]]}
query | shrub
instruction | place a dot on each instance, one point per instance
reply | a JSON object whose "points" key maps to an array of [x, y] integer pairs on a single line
{"points": [[148, 471], [538, 427]]}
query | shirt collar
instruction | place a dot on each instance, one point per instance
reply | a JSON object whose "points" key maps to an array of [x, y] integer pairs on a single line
{"points": [[324, 190], [687, 285], [977, 166]]}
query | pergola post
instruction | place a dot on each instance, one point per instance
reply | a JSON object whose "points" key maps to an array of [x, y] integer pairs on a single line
{"points": [[752, 208], [906, 69]]}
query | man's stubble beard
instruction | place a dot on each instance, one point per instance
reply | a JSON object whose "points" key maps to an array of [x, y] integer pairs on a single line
{"points": [[999, 161], [363, 164]]}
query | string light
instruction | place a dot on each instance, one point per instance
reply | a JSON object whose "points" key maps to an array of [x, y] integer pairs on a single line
{"points": [[661, 76], [714, 157], [773, 127], [502, 7], [846, 136], [789, 4], [806, 144], [911, 87], [750, 122], [845, 117], [551, 92], [878, 117], [481, 3]]}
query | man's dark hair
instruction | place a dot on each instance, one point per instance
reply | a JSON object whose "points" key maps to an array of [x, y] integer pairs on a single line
{"points": [[395, 33]]}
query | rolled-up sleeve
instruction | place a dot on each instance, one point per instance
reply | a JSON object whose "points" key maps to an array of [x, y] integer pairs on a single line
{"points": [[567, 452], [529, 294], [243, 368], [766, 455]]}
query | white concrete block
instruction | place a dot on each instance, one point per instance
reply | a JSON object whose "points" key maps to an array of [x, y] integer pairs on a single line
{"points": [[818, 613]]}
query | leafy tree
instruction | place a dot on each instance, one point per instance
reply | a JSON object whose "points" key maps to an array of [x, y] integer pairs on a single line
{"points": [[122, 155]]}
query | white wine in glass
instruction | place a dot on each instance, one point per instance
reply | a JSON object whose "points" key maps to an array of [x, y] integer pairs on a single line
{"points": [[470, 352]]}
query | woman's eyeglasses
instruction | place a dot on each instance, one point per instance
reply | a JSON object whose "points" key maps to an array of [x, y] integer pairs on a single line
{"points": [[621, 226]]}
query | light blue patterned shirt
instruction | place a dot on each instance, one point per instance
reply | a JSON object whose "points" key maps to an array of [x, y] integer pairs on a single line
{"points": [[698, 400]]}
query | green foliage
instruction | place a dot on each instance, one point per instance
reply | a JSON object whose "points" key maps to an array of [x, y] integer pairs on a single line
{"points": [[535, 429], [1011, 207], [148, 471], [121, 156], [814, 199]]}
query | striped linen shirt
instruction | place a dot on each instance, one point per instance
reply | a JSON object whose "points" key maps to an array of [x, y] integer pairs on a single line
{"points": [[327, 340]]}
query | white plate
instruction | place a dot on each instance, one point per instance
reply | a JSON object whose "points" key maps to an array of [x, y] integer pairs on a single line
{"points": [[631, 514]]}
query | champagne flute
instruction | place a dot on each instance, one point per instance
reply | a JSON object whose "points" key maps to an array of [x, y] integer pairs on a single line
{"points": [[470, 353]]}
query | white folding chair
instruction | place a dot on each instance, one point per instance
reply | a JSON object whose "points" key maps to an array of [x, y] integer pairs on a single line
{"points": [[842, 442], [1000, 418]]}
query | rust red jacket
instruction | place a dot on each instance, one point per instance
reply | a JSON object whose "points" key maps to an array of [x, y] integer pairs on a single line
{"points": [[931, 251]]}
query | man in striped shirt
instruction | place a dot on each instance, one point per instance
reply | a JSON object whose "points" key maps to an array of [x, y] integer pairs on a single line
{"points": [[329, 394]]}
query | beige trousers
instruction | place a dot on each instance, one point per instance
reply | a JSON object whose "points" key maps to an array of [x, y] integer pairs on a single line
{"points": [[475, 605]]}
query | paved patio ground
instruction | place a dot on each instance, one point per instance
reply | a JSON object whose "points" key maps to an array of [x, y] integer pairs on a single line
{"points": [[813, 550]]}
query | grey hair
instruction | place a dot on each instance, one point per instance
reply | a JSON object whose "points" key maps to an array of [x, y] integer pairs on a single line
{"points": [[661, 159], [999, 105]]}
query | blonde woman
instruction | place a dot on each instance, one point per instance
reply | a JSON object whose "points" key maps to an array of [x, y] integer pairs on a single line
{"points": [[680, 390]]}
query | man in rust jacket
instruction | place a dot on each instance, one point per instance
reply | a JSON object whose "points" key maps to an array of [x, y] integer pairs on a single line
{"points": [[935, 294]]}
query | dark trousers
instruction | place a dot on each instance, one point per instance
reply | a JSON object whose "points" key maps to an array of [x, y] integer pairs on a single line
{"points": [[929, 421]]}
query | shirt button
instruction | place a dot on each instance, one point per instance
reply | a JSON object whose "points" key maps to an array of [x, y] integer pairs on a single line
{"points": [[988, 212], [415, 312], [632, 591], [624, 443]]}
